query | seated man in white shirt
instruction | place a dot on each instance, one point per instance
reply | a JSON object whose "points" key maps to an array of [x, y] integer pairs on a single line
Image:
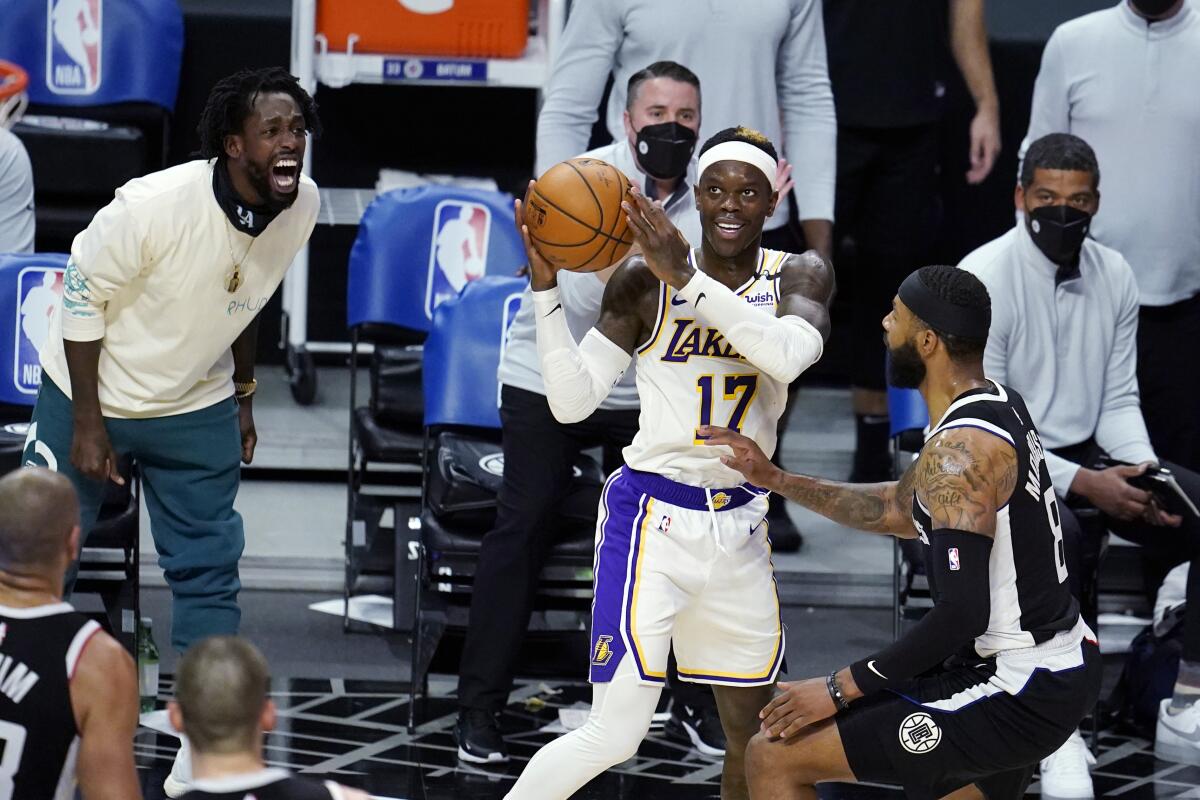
{"points": [[1064, 335]]}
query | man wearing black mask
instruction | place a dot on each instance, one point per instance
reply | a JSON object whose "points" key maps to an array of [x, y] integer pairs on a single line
{"points": [[662, 118], [1123, 78], [1064, 335]]}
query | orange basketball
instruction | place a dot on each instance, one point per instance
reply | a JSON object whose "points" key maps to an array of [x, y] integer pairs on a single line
{"points": [[574, 215]]}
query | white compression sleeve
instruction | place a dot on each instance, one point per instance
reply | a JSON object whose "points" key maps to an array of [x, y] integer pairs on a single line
{"points": [[620, 718], [577, 376], [782, 347]]}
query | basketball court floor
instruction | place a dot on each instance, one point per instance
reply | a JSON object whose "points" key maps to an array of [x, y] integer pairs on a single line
{"points": [[343, 697]]}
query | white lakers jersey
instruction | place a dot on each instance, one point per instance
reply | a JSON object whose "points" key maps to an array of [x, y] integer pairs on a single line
{"points": [[688, 376]]}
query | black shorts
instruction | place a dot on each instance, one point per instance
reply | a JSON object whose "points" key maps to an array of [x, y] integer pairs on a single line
{"points": [[987, 723]]}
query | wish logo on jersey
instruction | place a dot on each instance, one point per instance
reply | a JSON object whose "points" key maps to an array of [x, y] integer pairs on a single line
{"points": [[39, 290], [74, 40], [457, 251]]}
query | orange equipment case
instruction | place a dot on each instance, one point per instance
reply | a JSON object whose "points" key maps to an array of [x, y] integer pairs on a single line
{"points": [[471, 28]]}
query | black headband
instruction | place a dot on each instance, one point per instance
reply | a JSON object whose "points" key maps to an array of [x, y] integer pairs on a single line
{"points": [[942, 315]]}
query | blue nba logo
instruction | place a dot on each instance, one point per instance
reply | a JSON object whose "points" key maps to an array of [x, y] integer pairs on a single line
{"points": [[457, 249], [74, 35], [39, 290]]}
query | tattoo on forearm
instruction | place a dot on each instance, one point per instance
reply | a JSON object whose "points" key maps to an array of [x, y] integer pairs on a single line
{"points": [[864, 507]]}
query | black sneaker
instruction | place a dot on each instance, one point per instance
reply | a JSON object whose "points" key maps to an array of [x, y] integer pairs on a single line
{"points": [[698, 726], [478, 735], [784, 535]]}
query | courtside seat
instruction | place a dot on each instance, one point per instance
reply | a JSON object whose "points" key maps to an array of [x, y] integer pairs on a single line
{"points": [[381, 443], [414, 249], [462, 470]]}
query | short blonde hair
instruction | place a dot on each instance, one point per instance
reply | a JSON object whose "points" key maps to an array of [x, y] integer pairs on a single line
{"points": [[221, 687]]}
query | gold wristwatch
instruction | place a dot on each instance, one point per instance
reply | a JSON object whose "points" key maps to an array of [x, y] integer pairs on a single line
{"points": [[243, 390]]}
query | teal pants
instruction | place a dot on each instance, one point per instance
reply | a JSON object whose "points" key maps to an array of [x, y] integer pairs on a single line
{"points": [[190, 465]]}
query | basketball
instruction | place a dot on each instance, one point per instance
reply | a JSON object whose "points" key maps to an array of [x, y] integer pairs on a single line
{"points": [[574, 215]]}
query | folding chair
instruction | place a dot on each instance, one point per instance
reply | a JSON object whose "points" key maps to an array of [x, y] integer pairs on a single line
{"points": [[462, 442], [30, 287], [415, 248], [103, 78], [908, 419]]}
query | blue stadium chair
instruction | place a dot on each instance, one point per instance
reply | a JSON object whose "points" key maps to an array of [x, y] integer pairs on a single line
{"points": [[103, 77], [30, 287], [463, 467], [908, 419], [415, 248]]}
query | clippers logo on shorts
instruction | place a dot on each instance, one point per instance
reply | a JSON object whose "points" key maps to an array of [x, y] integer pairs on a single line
{"points": [[919, 733], [603, 651], [458, 249], [74, 41], [955, 565], [39, 290]]}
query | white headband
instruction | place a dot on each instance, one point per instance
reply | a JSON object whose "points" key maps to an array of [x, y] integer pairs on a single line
{"points": [[740, 151]]}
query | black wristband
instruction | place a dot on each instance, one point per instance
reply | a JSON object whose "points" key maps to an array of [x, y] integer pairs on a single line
{"points": [[835, 692]]}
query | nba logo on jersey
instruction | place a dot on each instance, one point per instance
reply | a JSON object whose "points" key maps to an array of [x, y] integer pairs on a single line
{"points": [[39, 290], [954, 563], [457, 251], [74, 36]]}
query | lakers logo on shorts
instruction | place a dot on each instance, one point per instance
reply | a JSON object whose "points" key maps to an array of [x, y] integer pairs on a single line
{"points": [[603, 651], [720, 500], [919, 733]]}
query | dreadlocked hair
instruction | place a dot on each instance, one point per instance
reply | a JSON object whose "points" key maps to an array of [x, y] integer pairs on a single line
{"points": [[232, 99]]}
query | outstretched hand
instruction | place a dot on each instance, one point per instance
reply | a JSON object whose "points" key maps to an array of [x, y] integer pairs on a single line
{"points": [[662, 245], [542, 274], [748, 458]]}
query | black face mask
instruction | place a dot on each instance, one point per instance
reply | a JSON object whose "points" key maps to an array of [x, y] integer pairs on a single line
{"points": [[1152, 8], [1059, 231], [905, 369], [663, 150]]}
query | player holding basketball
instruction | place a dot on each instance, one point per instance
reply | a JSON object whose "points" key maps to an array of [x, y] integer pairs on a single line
{"points": [[1025, 667], [68, 701], [681, 553]]}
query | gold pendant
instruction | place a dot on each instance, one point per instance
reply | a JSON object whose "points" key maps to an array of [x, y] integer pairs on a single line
{"points": [[233, 281]]}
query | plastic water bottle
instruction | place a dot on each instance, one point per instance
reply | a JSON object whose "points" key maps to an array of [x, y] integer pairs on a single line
{"points": [[147, 660]]}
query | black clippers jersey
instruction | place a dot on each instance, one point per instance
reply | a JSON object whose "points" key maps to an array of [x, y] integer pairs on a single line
{"points": [[1031, 600], [269, 784], [39, 648]]}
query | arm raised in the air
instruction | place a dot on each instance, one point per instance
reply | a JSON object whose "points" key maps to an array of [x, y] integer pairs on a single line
{"points": [[579, 375]]}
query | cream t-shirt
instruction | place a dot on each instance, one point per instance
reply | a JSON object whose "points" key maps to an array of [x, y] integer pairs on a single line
{"points": [[156, 260]]}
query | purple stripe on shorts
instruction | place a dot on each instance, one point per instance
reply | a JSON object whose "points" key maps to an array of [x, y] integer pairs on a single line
{"points": [[620, 507]]}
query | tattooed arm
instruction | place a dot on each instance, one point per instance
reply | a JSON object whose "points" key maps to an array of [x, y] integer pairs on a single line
{"points": [[963, 477], [874, 507]]}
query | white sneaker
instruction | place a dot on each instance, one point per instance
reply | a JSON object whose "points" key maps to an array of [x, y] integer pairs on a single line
{"points": [[1177, 736], [1066, 772], [180, 780]]}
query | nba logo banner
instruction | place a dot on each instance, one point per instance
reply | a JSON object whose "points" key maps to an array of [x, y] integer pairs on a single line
{"points": [[74, 41], [955, 565], [457, 249], [39, 290]]}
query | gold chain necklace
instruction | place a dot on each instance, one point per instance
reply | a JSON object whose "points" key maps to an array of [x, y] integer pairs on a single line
{"points": [[233, 279]]}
